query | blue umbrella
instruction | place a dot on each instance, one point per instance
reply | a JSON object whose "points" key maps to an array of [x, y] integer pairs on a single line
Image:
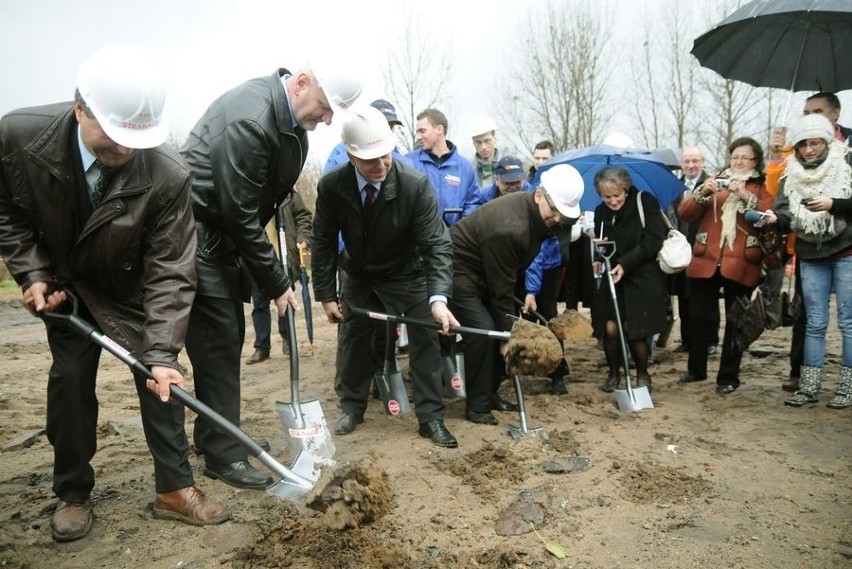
{"points": [[649, 173]]}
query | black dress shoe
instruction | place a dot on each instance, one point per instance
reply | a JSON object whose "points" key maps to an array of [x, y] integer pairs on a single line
{"points": [[689, 377], [682, 349], [500, 404], [726, 388], [610, 384], [557, 386], [240, 474], [439, 434], [481, 418], [346, 424]]}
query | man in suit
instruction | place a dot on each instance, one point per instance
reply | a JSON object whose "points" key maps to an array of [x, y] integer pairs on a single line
{"points": [[245, 153], [397, 251], [692, 166]]}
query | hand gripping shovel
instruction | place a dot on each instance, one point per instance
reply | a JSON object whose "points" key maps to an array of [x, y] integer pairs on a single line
{"points": [[629, 399], [290, 486], [515, 432], [308, 436], [391, 386]]}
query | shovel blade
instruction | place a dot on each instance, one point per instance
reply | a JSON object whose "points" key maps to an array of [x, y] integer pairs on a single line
{"points": [[452, 372], [311, 437], [517, 433], [634, 399], [288, 491], [392, 390]]}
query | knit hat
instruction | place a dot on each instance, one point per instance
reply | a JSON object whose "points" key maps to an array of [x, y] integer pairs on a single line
{"points": [[812, 126]]}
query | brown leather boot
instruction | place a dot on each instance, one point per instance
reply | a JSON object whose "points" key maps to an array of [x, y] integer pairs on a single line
{"points": [[190, 506], [257, 357], [71, 521]]}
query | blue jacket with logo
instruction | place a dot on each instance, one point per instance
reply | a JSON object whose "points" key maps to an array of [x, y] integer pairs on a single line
{"points": [[453, 178]]}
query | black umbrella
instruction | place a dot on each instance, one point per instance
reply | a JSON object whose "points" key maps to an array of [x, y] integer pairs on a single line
{"points": [[799, 45], [306, 292]]}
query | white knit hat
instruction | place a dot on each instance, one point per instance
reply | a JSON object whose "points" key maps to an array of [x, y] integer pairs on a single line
{"points": [[812, 126]]}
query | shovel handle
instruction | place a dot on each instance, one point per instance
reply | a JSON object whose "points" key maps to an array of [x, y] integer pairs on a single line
{"points": [[86, 329], [499, 335]]}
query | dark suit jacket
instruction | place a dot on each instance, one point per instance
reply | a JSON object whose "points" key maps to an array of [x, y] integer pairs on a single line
{"points": [[405, 236]]}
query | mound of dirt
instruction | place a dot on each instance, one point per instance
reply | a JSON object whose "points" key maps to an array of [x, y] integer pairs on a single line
{"points": [[571, 326], [646, 484], [486, 470], [352, 494]]}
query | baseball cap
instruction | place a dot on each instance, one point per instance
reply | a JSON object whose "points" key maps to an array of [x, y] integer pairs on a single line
{"points": [[510, 169], [387, 109]]}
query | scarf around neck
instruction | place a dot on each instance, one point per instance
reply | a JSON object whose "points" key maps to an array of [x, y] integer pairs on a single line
{"points": [[831, 178], [732, 206]]}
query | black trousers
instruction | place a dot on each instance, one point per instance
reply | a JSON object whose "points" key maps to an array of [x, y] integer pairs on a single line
{"points": [[686, 325], [703, 301], [214, 341], [481, 353], [72, 418], [402, 295]]}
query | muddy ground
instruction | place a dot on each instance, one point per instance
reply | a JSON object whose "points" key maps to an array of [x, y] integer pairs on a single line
{"points": [[700, 481]]}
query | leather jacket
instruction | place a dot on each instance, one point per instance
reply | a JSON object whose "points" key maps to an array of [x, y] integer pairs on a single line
{"points": [[132, 261], [245, 154]]}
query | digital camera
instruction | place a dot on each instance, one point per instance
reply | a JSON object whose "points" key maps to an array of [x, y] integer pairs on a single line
{"points": [[722, 182]]}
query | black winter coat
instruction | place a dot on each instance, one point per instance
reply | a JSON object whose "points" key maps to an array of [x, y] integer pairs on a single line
{"points": [[642, 290]]}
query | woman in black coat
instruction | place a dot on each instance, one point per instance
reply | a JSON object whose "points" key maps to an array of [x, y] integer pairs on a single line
{"points": [[639, 282]]}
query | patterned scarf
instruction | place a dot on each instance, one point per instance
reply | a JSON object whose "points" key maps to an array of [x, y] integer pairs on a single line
{"points": [[830, 176], [734, 205]]}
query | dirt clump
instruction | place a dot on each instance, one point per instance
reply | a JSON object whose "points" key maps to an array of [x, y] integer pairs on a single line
{"points": [[571, 326], [352, 494], [533, 350], [486, 470], [645, 484]]}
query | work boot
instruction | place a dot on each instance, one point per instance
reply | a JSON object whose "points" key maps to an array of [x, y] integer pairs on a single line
{"points": [[809, 385], [71, 521], [843, 396], [257, 357], [190, 506]]}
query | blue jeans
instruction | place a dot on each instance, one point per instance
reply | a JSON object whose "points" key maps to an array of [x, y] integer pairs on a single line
{"points": [[819, 280]]}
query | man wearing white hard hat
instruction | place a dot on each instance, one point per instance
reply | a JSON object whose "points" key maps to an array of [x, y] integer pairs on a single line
{"points": [[101, 207], [245, 154], [490, 248], [397, 252]]}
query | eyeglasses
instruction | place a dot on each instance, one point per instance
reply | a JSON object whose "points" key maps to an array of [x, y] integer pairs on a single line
{"points": [[549, 201], [740, 157], [815, 143]]}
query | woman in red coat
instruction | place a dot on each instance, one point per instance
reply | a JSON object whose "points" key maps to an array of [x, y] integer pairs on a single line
{"points": [[726, 254]]}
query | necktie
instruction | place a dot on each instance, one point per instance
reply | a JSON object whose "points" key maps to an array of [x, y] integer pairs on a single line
{"points": [[102, 185], [369, 202]]}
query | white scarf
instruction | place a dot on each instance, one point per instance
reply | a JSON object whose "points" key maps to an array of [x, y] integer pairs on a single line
{"points": [[832, 178], [734, 205]]}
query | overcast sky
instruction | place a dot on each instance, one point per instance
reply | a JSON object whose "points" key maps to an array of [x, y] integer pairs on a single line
{"points": [[209, 46]]}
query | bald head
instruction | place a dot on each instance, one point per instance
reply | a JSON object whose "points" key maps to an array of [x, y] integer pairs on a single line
{"points": [[691, 162]]}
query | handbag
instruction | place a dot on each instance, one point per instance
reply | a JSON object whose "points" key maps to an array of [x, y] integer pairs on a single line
{"points": [[676, 253], [791, 305], [772, 244]]}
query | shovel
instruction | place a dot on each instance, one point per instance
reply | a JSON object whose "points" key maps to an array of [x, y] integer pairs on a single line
{"points": [[515, 432], [629, 399], [453, 372], [391, 386], [304, 422], [292, 485]]}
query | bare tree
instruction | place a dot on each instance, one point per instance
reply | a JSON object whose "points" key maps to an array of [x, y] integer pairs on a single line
{"points": [[561, 54], [418, 70]]}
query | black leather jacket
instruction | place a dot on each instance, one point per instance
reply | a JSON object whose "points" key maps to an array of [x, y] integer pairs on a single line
{"points": [[245, 155]]}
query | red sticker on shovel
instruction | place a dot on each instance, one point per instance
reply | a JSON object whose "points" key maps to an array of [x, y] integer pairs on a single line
{"points": [[393, 407], [457, 383]]}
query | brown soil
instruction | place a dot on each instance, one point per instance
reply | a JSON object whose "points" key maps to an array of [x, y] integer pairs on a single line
{"points": [[701, 481]]}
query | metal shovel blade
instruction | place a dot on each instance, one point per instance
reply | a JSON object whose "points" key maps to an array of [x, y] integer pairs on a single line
{"points": [[309, 440], [634, 398], [392, 389], [523, 429], [453, 376]]}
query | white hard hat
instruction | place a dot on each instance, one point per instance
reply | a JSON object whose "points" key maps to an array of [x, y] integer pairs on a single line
{"points": [[366, 133], [341, 84], [126, 91], [564, 184], [618, 139], [482, 124]]}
